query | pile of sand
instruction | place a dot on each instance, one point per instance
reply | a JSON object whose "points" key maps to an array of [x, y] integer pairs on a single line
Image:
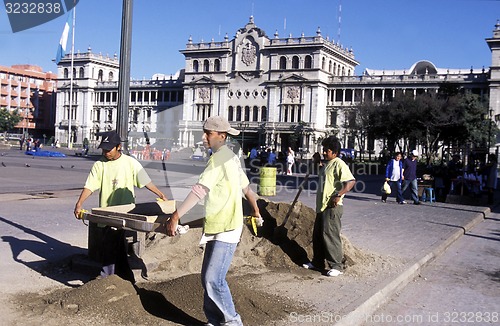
{"points": [[173, 294]]}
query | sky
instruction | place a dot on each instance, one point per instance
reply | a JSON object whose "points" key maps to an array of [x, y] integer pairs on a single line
{"points": [[384, 34]]}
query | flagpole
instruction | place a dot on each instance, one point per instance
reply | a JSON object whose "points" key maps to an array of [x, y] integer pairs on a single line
{"points": [[70, 145]]}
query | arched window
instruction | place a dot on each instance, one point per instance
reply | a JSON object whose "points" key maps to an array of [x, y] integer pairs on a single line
{"points": [[330, 66], [323, 62], [247, 113], [230, 114], [283, 63], [308, 62], [195, 66], [343, 71], [334, 68], [100, 75], [295, 62], [66, 73], [206, 66], [110, 76], [238, 113], [217, 65], [255, 113], [74, 73], [263, 115], [81, 74]]}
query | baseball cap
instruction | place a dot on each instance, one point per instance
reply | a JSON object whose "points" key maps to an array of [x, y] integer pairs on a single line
{"points": [[414, 152], [110, 140], [220, 124]]}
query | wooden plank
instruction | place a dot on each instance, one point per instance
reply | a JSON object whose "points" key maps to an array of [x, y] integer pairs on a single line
{"points": [[143, 212]]}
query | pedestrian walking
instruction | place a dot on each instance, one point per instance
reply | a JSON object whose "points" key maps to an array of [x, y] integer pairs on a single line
{"points": [[394, 176], [410, 176]]}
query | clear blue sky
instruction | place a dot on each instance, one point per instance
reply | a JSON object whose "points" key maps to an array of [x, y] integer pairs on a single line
{"points": [[384, 34]]}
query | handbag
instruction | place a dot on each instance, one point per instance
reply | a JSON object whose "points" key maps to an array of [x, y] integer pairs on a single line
{"points": [[386, 188]]}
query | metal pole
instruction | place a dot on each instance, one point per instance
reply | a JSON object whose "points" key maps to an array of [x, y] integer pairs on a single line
{"points": [[124, 74], [71, 78]]}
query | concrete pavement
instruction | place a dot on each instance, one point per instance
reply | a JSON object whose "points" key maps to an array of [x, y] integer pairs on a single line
{"points": [[413, 234]]}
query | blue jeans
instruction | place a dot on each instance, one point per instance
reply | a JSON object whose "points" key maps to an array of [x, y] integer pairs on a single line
{"points": [[399, 192], [217, 300], [414, 188]]}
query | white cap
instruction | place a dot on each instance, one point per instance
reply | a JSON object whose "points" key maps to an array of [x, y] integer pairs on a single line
{"points": [[414, 152]]}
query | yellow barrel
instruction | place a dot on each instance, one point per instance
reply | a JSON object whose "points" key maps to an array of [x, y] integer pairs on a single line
{"points": [[267, 186]]}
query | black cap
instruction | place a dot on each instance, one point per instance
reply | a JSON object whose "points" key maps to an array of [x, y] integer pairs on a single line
{"points": [[109, 140]]}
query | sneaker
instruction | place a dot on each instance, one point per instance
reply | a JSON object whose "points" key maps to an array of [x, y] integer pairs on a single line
{"points": [[403, 202], [416, 203], [309, 265], [383, 200], [334, 272]]}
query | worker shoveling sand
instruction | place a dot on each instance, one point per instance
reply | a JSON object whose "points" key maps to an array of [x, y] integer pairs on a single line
{"points": [[173, 293]]}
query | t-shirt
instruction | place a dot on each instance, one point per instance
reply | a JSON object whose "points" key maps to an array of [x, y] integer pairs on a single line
{"points": [[225, 180], [331, 179], [116, 180], [396, 170], [410, 169]]}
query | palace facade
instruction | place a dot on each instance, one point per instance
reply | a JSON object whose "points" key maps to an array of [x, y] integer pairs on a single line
{"points": [[279, 91]]}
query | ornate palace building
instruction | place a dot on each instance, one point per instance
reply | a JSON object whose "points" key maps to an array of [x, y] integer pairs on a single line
{"points": [[279, 91]]}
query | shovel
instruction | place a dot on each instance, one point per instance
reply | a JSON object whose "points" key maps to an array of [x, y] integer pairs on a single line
{"points": [[280, 232]]}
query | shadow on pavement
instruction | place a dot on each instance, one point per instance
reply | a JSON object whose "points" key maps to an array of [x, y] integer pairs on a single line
{"points": [[50, 250]]}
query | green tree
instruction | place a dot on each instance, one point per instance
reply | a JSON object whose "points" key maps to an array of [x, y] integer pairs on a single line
{"points": [[8, 120]]}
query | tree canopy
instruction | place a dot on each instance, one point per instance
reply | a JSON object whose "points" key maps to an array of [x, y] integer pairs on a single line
{"points": [[8, 120], [431, 120]]}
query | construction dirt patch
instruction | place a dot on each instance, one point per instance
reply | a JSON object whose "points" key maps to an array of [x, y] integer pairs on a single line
{"points": [[266, 280]]}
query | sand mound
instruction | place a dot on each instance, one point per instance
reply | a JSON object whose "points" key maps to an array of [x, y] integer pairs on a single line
{"points": [[173, 294]]}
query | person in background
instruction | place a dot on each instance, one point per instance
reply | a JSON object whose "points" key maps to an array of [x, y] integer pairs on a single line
{"points": [[271, 158], [492, 177], [115, 175], [335, 180], [290, 161], [221, 186], [410, 176], [394, 175]]}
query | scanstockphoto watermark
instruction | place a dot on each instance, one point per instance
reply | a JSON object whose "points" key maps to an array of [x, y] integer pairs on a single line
{"points": [[26, 14], [289, 184]]}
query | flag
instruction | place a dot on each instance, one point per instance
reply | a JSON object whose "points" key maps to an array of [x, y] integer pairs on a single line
{"points": [[63, 42]]}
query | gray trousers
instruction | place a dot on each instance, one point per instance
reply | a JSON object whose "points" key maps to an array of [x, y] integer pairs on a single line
{"points": [[327, 244]]}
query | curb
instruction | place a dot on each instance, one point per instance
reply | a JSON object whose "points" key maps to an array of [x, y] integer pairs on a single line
{"points": [[372, 301]]}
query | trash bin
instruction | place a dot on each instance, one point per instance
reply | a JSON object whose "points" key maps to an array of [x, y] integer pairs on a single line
{"points": [[267, 185]]}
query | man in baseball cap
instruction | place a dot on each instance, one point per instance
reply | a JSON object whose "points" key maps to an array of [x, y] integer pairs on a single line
{"points": [[220, 124], [110, 140]]}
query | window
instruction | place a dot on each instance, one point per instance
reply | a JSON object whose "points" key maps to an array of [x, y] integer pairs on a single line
{"points": [[247, 113], [217, 65], [323, 63], [74, 73], [330, 66], [238, 113], [100, 75], [255, 113], [66, 73], [308, 62], [81, 73], [283, 63], [263, 116], [295, 62], [110, 76], [206, 66], [195, 66], [231, 114]]}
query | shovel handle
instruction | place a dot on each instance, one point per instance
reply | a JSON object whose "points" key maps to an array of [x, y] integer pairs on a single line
{"points": [[295, 199]]}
